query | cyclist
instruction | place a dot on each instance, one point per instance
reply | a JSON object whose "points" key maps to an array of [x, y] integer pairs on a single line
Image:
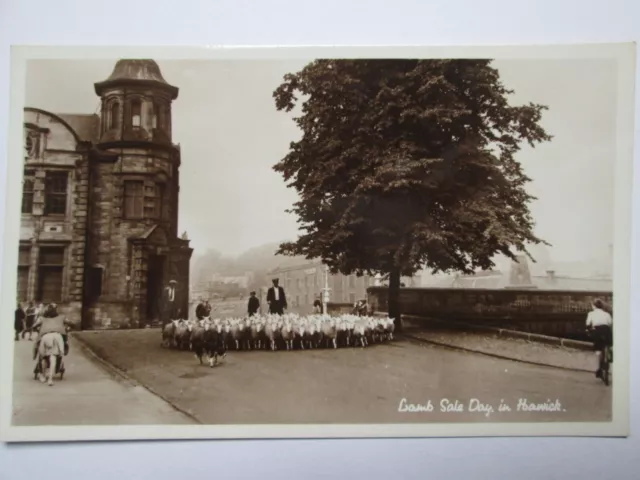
{"points": [[599, 322]]}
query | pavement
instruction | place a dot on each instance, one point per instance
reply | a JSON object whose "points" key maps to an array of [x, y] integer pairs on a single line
{"points": [[509, 348], [88, 395], [378, 384]]}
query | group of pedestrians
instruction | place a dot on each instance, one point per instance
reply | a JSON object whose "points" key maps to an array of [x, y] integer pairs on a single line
{"points": [[25, 319], [39, 320]]}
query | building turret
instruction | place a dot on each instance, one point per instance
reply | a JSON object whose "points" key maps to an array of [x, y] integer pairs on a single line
{"points": [[136, 103]]}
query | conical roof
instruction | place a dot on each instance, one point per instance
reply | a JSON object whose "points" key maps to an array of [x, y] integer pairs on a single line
{"points": [[136, 71]]}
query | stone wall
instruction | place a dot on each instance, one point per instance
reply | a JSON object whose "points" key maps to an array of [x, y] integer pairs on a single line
{"points": [[80, 200], [334, 308], [73, 312], [550, 312], [110, 315]]}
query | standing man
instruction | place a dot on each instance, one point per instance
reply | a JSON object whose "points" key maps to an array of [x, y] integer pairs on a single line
{"points": [[18, 323], [276, 298], [254, 304], [170, 302], [207, 308]]}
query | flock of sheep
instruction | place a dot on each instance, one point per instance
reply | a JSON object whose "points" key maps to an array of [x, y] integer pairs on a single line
{"points": [[274, 332]]}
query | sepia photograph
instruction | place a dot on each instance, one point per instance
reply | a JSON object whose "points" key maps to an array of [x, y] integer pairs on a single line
{"points": [[316, 242]]}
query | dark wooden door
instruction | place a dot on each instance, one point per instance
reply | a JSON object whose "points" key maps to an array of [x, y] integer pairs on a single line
{"points": [[155, 279]]}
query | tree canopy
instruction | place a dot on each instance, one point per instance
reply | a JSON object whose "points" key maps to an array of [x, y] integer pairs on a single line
{"points": [[407, 163]]}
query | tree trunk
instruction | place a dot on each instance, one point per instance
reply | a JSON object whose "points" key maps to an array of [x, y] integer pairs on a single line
{"points": [[394, 299]]}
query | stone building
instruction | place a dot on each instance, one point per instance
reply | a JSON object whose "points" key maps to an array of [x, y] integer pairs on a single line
{"points": [[304, 283], [100, 204]]}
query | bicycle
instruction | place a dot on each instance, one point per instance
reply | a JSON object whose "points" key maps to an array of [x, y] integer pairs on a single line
{"points": [[37, 371], [605, 361], [604, 371], [60, 368]]}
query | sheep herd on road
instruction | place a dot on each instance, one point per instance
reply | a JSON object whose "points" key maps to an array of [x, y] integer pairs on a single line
{"points": [[274, 332]]}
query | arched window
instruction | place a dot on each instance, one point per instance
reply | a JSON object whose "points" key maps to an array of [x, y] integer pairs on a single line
{"points": [[136, 107], [114, 115]]}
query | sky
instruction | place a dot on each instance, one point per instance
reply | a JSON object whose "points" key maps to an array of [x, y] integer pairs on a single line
{"points": [[231, 135]]}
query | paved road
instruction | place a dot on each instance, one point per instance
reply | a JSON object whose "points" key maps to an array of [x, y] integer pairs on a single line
{"points": [[351, 385], [88, 395]]}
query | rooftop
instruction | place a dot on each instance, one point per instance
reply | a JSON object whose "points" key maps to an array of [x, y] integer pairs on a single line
{"points": [[87, 126], [127, 71], [299, 266], [137, 70]]}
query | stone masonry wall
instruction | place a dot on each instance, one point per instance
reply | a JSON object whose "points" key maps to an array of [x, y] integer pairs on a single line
{"points": [[124, 264], [76, 257], [110, 315], [549, 312], [73, 312]]}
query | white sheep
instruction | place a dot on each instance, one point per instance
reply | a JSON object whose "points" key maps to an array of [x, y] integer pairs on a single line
{"points": [[272, 332]]}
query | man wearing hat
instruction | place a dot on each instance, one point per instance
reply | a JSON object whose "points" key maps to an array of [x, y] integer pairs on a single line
{"points": [[170, 302], [254, 304], [276, 298]]}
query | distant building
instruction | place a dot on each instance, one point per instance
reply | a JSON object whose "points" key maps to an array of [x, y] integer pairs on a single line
{"points": [[303, 283]]}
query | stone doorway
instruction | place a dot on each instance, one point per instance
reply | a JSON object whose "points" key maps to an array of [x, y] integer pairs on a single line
{"points": [[155, 277]]}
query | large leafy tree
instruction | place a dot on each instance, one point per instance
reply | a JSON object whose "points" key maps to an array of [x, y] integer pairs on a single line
{"points": [[407, 163]]}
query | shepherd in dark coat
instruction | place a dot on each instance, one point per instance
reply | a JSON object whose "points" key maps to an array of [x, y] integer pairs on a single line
{"points": [[253, 304], [276, 298]]}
